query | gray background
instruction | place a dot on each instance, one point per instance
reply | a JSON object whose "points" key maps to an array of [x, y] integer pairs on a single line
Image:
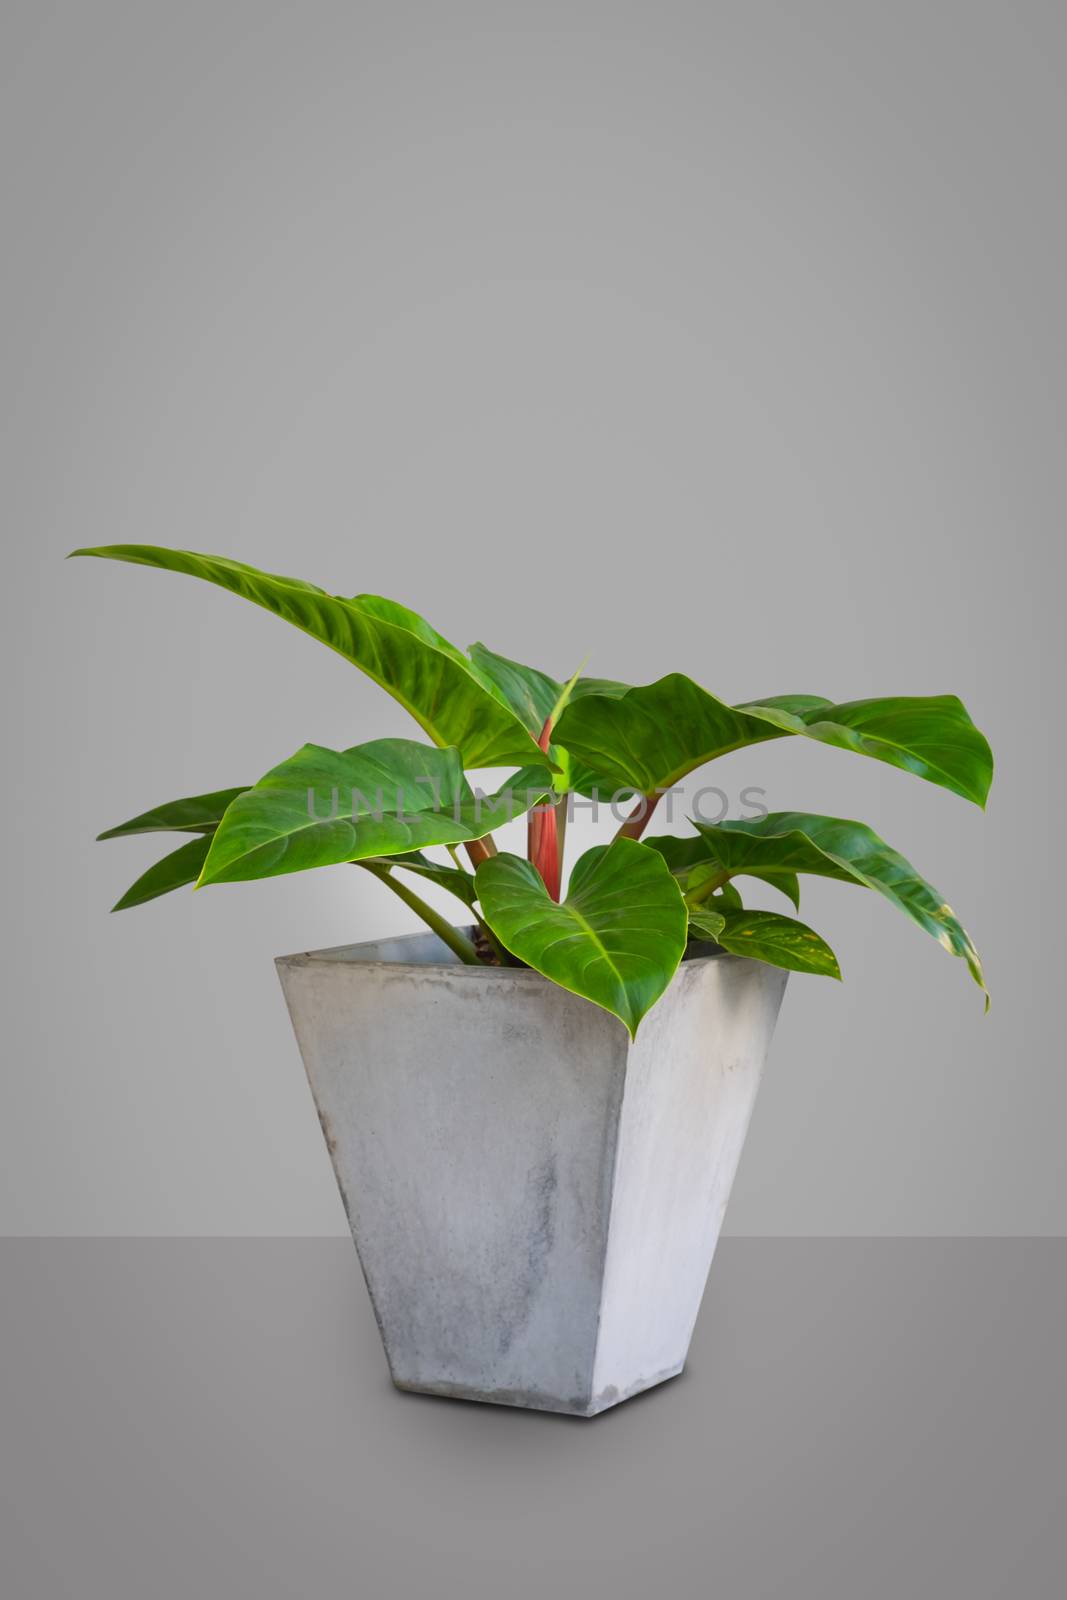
{"points": [[858, 1420], [719, 338]]}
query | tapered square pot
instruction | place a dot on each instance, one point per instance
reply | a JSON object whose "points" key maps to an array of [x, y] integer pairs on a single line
{"points": [[535, 1199]]}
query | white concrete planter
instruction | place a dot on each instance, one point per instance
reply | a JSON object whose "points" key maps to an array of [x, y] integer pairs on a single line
{"points": [[535, 1200]]}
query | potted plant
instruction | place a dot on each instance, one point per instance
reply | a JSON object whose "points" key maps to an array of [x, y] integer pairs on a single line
{"points": [[535, 1116]]}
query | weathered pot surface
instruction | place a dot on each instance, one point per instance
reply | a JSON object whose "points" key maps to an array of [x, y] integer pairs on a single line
{"points": [[534, 1198]]}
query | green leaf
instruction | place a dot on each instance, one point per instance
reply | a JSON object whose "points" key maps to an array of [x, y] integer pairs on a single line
{"points": [[199, 813], [712, 909], [182, 866], [570, 776], [786, 883], [530, 694], [766, 936], [618, 937], [725, 899], [433, 680], [606, 688], [688, 860], [534, 697], [831, 847], [931, 736], [706, 923], [652, 736], [323, 807], [454, 879]]}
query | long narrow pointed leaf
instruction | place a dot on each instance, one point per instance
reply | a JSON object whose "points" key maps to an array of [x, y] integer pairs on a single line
{"points": [[393, 645], [324, 807], [652, 736], [833, 847], [618, 937], [180, 867], [198, 813]]}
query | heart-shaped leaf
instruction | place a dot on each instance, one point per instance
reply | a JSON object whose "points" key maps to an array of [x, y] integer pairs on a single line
{"points": [[766, 936], [616, 939], [323, 807], [849, 852], [433, 680], [652, 736]]}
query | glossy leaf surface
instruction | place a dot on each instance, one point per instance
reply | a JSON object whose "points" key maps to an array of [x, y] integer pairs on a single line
{"points": [[199, 813], [652, 736], [530, 694], [433, 680], [850, 852], [323, 807], [180, 867], [534, 696], [931, 736], [616, 939], [766, 936], [689, 861]]}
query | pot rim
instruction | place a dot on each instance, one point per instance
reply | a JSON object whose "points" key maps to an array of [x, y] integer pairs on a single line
{"points": [[347, 955]]}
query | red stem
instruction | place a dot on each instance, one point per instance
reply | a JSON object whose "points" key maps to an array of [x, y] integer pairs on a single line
{"points": [[480, 850], [542, 838], [547, 863], [639, 818]]}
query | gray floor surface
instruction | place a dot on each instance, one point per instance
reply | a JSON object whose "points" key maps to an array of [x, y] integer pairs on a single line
{"points": [[213, 1419]]}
